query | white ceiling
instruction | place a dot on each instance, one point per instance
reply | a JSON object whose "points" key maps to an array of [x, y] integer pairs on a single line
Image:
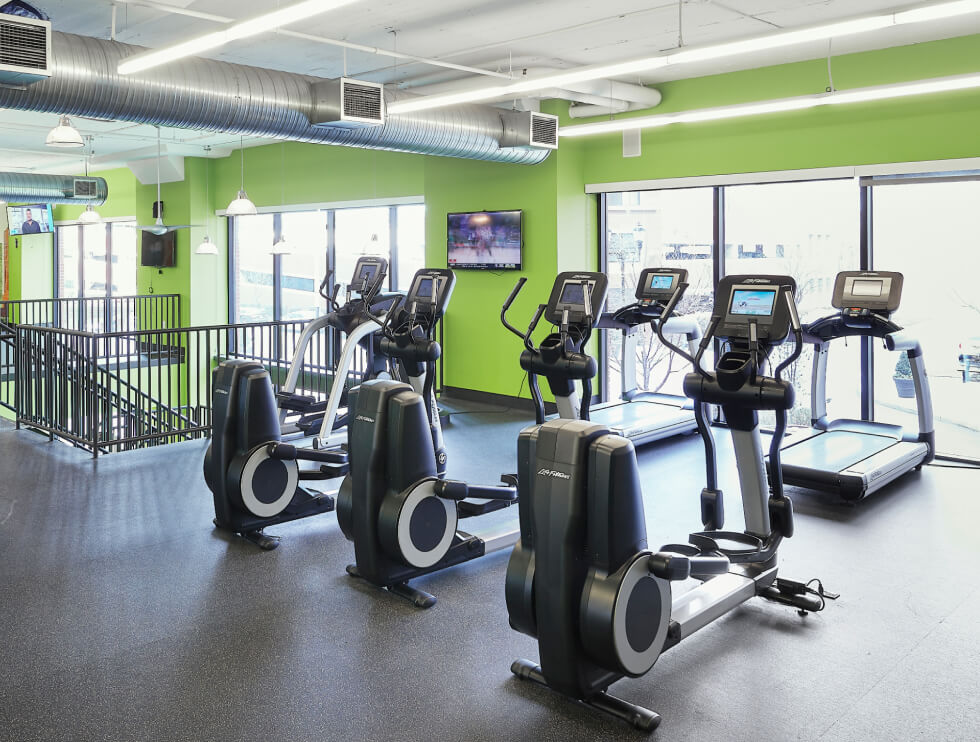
{"points": [[503, 35]]}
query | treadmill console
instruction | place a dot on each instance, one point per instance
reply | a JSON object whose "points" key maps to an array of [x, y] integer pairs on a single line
{"points": [[741, 301], [858, 293], [429, 293], [569, 293], [657, 285], [369, 275]]}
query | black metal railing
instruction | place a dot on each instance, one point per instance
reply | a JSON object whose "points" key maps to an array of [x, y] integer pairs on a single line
{"points": [[113, 391], [96, 314]]}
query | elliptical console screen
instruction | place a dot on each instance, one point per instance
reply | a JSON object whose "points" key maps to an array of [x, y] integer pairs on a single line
{"points": [[573, 295], [369, 272], [365, 275], [424, 289], [659, 282], [754, 303]]}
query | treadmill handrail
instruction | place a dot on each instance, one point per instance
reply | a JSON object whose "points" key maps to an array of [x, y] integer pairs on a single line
{"points": [[833, 326]]}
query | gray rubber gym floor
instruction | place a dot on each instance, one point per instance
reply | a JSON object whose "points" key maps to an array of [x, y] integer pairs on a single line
{"points": [[126, 616]]}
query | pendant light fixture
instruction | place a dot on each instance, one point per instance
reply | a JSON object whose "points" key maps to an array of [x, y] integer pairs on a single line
{"points": [[207, 247], [64, 135], [241, 206], [281, 247], [90, 215]]}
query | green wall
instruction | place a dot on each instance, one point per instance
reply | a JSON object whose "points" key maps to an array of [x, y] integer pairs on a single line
{"points": [[933, 127], [560, 219]]}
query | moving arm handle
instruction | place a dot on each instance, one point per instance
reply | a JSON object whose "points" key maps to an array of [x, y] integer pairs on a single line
{"points": [[668, 311], [454, 490], [794, 319], [670, 566], [510, 300], [288, 452]]}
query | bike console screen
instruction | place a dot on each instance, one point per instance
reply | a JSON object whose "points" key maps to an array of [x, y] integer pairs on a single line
{"points": [[569, 293], [659, 284]]}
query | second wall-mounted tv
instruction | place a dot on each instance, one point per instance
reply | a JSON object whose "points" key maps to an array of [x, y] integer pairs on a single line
{"points": [[30, 219], [159, 250], [485, 240]]}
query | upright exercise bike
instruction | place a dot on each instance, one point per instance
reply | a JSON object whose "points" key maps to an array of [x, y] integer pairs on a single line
{"points": [[396, 504], [582, 580], [253, 476]]}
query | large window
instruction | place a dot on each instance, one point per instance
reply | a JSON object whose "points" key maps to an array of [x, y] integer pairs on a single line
{"points": [[653, 229], [929, 232], [321, 244], [810, 231], [926, 229], [96, 260]]}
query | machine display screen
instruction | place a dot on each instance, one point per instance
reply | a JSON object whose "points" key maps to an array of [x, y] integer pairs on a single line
{"points": [[752, 302], [660, 282], [366, 275], [573, 294], [423, 289], [864, 287]]}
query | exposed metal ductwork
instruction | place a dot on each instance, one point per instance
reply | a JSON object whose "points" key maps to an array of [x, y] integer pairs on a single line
{"points": [[208, 95], [54, 189]]}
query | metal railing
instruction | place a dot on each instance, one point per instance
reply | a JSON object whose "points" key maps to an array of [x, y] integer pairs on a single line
{"points": [[96, 314], [113, 391], [93, 314]]}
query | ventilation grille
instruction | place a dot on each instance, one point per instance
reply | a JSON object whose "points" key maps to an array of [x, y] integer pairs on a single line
{"points": [[25, 45], [544, 131], [362, 102], [85, 188]]}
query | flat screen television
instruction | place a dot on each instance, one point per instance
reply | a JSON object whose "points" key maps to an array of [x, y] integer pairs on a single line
{"points": [[485, 240], [159, 250], [30, 219]]}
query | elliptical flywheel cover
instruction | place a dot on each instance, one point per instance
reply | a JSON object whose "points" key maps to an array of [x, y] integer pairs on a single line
{"points": [[266, 485], [416, 526]]}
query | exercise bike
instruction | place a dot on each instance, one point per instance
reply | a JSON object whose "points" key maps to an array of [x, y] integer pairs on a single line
{"points": [[582, 581], [396, 504], [254, 477]]}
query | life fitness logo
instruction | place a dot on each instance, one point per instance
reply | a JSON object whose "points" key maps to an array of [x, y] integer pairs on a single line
{"points": [[757, 280], [553, 473], [364, 418]]}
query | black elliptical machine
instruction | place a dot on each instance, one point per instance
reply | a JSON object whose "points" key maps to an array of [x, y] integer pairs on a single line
{"points": [[395, 504], [582, 580], [253, 476]]}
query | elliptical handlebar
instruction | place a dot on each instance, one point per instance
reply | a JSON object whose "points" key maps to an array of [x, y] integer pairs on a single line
{"points": [[666, 314], [797, 328], [510, 300]]}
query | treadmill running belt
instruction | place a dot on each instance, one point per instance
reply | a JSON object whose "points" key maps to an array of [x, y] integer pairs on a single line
{"points": [[834, 450]]}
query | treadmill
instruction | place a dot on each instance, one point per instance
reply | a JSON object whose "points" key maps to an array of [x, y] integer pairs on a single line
{"points": [[648, 416], [854, 458]]}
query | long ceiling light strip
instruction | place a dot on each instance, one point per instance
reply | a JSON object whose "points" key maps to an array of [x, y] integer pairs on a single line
{"points": [[251, 27], [782, 105], [716, 51]]}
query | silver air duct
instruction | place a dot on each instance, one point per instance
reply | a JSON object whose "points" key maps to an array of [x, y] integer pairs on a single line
{"points": [[208, 95], [18, 188]]}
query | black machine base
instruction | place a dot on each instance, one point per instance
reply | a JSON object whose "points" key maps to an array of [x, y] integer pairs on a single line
{"points": [[418, 598], [302, 505], [640, 718]]}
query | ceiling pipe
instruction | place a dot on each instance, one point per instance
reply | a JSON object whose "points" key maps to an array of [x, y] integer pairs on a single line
{"points": [[52, 189], [208, 95]]}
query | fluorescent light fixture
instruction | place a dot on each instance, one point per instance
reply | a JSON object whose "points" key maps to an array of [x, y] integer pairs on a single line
{"points": [[775, 40], [251, 27], [64, 135], [89, 216], [206, 247], [783, 105]]}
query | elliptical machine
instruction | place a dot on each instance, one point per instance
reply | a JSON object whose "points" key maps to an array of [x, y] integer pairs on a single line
{"points": [[357, 319], [253, 476], [582, 580], [395, 504]]}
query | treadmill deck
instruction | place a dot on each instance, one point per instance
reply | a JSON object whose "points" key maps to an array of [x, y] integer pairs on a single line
{"points": [[644, 420]]}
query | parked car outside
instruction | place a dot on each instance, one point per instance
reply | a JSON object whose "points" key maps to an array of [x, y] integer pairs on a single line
{"points": [[969, 359]]}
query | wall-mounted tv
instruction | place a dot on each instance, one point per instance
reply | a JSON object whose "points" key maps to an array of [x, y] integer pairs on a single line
{"points": [[486, 240], [30, 219], [159, 250]]}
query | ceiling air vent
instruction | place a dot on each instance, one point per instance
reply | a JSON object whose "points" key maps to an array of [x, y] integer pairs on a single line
{"points": [[348, 103], [25, 48], [85, 187], [529, 130]]}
